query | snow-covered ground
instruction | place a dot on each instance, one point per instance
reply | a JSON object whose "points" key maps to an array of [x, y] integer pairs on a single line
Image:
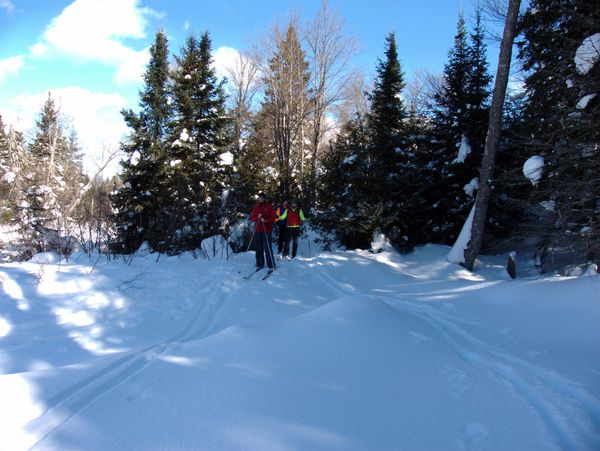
{"points": [[337, 350]]}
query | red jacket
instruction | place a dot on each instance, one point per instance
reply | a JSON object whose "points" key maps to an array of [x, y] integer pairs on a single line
{"points": [[268, 214]]}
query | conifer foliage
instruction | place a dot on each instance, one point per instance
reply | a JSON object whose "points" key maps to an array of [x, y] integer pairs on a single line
{"points": [[137, 202], [386, 163], [370, 159], [172, 180], [461, 115], [191, 167], [285, 107], [340, 190], [54, 181], [193, 179], [13, 164], [560, 52]]}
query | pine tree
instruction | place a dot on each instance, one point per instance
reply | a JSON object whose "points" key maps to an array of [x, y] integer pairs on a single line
{"points": [[387, 113], [137, 201]]}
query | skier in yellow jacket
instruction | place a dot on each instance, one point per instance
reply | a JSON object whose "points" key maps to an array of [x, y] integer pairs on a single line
{"points": [[294, 217]]}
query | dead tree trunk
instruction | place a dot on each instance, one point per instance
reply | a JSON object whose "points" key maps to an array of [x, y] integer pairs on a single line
{"points": [[493, 135]]}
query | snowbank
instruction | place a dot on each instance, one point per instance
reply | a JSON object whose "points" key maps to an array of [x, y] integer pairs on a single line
{"points": [[337, 350]]}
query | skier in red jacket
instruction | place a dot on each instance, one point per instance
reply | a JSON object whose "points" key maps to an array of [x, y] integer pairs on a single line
{"points": [[264, 216]]}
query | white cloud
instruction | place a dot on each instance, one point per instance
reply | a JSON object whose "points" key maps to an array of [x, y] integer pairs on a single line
{"points": [[39, 49], [223, 59], [7, 6], [95, 30], [11, 66], [96, 119]]}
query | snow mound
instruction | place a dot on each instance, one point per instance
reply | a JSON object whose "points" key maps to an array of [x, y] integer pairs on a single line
{"points": [[584, 101], [464, 149], [216, 247], [380, 243], [587, 54], [533, 169], [457, 253]]}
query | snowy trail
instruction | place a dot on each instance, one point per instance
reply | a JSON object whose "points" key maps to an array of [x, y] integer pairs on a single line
{"points": [[569, 412], [338, 350], [572, 414], [69, 402]]}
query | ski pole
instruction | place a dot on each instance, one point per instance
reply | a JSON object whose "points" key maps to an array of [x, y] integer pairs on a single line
{"points": [[268, 244], [252, 237]]}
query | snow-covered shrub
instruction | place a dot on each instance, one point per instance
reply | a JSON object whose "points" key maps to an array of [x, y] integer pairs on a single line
{"points": [[216, 247]]}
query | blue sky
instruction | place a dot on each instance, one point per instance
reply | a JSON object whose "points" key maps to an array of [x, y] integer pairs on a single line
{"points": [[91, 53]]}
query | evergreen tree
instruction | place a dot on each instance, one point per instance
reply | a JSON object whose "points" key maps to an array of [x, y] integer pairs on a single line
{"points": [[194, 177], [286, 103], [341, 202], [451, 103], [387, 166], [54, 181], [137, 201], [255, 163], [460, 114], [13, 164], [387, 113], [478, 92], [560, 56]]}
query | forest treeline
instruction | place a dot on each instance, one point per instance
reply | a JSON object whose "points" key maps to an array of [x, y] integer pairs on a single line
{"points": [[294, 119]]}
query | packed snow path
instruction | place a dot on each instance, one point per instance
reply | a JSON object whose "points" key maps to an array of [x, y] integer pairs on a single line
{"points": [[340, 350]]}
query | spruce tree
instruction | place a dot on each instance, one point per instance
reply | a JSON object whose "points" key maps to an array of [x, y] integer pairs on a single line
{"points": [[478, 92], [255, 163], [341, 196], [137, 202], [387, 164], [460, 114], [195, 179], [451, 114]]}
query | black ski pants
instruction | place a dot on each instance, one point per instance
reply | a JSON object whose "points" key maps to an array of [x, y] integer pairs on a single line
{"points": [[291, 234], [264, 252], [281, 238]]}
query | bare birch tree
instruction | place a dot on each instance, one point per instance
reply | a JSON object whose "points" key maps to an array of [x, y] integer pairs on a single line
{"points": [[355, 101], [329, 52], [493, 135], [243, 77]]}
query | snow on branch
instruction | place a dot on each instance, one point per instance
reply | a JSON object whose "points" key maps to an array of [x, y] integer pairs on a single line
{"points": [[587, 54]]}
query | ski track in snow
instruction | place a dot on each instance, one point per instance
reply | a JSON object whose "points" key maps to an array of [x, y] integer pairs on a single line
{"points": [[72, 400], [571, 414], [568, 411]]}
